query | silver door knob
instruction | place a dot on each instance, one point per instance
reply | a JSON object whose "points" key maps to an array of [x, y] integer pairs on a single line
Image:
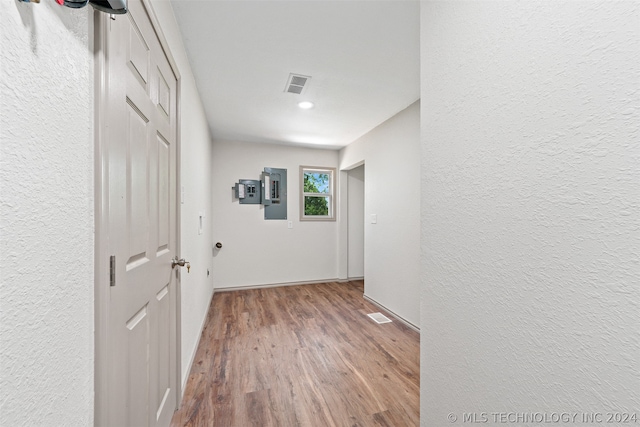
{"points": [[181, 262]]}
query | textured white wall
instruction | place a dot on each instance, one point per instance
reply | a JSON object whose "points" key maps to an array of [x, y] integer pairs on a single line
{"points": [[355, 219], [46, 216], [530, 208], [195, 174], [307, 252], [391, 153]]}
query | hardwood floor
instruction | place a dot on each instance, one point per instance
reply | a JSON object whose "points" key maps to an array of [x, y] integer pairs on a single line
{"points": [[301, 356]]}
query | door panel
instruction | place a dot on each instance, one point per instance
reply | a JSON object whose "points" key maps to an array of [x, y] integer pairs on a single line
{"points": [[164, 196], [164, 95], [141, 138], [138, 372], [137, 188], [163, 387], [138, 54]]}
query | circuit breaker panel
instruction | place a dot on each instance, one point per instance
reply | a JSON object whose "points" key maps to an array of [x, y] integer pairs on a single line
{"points": [[274, 193], [270, 191], [248, 191]]}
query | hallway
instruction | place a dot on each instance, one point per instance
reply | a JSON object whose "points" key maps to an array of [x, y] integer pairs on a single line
{"points": [[501, 145], [301, 356]]}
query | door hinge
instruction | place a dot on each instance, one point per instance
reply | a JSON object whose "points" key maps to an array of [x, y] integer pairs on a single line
{"points": [[112, 270]]}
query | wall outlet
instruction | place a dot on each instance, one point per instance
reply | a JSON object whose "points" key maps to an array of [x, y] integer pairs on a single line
{"points": [[374, 218]]}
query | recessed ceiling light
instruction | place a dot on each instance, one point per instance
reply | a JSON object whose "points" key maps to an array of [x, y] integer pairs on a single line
{"points": [[305, 105]]}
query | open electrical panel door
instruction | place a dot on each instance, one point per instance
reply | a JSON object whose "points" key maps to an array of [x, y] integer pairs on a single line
{"points": [[270, 191], [275, 194]]}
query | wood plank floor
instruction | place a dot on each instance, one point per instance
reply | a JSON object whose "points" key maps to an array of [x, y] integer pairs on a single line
{"points": [[301, 356]]}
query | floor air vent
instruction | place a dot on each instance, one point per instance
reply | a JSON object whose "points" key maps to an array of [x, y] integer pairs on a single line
{"points": [[379, 318], [296, 83]]}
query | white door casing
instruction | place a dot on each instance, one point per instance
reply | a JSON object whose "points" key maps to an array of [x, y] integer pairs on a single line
{"points": [[138, 351]]}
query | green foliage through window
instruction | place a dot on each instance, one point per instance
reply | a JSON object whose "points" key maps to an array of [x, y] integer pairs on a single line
{"points": [[316, 182], [316, 205], [317, 193]]}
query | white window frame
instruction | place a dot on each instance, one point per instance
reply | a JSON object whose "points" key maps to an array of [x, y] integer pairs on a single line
{"points": [[331, 194]]}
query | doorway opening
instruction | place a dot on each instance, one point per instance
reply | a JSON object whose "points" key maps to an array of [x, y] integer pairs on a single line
{"points": [[355, 215]]}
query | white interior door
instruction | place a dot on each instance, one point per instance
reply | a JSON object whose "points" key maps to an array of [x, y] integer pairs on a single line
{"points": [[141, 138]]}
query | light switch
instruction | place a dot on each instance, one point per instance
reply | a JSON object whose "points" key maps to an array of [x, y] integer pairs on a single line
{"points": [[290, 224], [200, 222], [374, 218]]}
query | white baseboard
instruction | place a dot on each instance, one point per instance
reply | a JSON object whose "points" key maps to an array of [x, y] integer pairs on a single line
{"points": [[195, 351], [396, 316], [277, 285]]}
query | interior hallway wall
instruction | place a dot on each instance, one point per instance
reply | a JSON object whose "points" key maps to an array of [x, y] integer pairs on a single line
{"points": [[356, 222], [46, 215], [196, 287], [262, 252], [391, 154], [530, 209]]}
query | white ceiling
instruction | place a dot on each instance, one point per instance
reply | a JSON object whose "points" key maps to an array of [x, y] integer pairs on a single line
{"points": [[363, 57]]}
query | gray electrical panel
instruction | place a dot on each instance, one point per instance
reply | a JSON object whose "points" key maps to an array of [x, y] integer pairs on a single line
{"points": [[274, 193], [270, 190], [248, 191]]}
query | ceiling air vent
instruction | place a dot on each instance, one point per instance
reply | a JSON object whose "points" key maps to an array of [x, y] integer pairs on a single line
{"points": [[296, 83]]}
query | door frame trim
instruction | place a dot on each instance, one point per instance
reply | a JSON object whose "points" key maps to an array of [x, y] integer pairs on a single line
{"points": [[101, 217], [98, 39]]}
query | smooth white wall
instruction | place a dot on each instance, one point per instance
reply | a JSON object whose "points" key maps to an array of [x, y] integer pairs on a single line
{"points": [[263, 252], [195, 175], [355, 219], [530, 208], [46, 215], [391, 154]]}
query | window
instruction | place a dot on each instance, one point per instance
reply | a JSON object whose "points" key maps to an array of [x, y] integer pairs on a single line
{"points": [[317, 198]]}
